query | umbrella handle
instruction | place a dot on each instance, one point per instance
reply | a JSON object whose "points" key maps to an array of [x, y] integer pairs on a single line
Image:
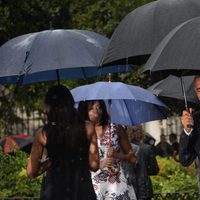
{"points": [[185, 99]]}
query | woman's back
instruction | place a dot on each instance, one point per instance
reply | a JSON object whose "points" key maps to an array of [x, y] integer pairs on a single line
{"points": [[69, 176], [71, 149]]}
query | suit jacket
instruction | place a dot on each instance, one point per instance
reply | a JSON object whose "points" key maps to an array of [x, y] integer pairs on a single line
{"points": [[146, 166], [150, 159], [189, 146]]}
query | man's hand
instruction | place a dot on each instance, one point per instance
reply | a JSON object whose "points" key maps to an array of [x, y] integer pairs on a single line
{"points": [[187, 120]]}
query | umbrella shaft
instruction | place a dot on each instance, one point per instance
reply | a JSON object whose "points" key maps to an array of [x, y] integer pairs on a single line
{"points": [[58, 76], [184, 93]]}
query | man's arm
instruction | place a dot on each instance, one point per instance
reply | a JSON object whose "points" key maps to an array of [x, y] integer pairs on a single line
{"points": [[187, 152]]}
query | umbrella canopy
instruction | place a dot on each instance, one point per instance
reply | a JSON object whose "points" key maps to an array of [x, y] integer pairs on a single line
{"points": [[170, 87], [141, 30], [130, 105], [16, 141], [53, 55], [178, 52]]}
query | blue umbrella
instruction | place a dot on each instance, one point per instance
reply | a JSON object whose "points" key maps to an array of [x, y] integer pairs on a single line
{"points": [[130, 105], [54, 55]]}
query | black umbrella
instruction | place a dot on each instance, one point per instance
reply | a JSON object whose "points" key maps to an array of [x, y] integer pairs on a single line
{"points": [[170, 87], [178, 52], [141, 30]]}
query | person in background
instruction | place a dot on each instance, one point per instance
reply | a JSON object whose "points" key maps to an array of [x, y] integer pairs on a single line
{"points": [[114, 147], [163, 148], [174, 145], [148, 139], [147, 161], [71, 150]]}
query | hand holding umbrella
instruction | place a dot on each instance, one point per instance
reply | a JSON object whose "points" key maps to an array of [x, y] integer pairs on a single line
{"points": [[114, 168], [187, 120]]}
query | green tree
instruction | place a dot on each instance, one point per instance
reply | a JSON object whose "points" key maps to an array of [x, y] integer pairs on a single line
{"points": [[24, 16], [101, 16]]}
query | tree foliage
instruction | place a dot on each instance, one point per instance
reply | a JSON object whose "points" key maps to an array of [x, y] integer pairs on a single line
{"points": [[24, 16], [14, 181], [173, 177]]}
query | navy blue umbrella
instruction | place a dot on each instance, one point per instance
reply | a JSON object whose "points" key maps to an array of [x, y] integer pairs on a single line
{"points": [[130, 105], [54, 55]]}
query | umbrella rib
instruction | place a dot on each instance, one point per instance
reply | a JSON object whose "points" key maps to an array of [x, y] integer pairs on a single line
{"points": [[129, 114], [83, 71]]}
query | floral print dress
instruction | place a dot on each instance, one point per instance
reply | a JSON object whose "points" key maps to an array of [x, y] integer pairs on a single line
{"points": [[108, 185]]}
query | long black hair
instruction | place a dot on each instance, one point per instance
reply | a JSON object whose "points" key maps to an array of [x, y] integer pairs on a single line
{"points": [[85, 106], [64, 129]]}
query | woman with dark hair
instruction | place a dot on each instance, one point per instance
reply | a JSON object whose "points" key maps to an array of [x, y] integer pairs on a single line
{"points": [[109, 181], [71, 147]]}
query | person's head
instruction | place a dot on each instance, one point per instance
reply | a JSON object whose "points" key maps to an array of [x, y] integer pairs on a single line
{"points": [[172, 137], [59, 104], [64, 129], [94, 110], [163, 138], [137, 133], [197, 86], [148, 139]]}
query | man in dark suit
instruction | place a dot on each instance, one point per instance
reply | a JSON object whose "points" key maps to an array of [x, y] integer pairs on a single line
{"points": [[189, 144], [174, 145], [146, 165]]}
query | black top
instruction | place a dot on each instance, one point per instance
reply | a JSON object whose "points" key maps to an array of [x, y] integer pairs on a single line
{"points": [[175, 146], [69, 177]]}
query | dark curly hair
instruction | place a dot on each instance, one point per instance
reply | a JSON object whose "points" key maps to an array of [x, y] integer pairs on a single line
{"points": [[85, 106], [64, 129]]}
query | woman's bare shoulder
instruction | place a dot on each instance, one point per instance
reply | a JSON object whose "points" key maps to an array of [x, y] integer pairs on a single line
{"points": [[89, 127], [40, 135], [89, 123]]}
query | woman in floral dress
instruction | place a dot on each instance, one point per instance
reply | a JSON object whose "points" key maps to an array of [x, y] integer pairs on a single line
{"points": [[109, 181]]}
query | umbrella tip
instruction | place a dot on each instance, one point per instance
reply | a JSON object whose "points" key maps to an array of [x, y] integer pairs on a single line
{"points": [[109, 77]]}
